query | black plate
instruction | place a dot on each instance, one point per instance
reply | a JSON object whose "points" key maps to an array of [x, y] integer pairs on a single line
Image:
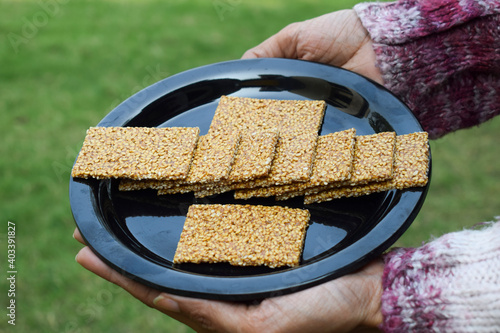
{"points": [[137, 232]]}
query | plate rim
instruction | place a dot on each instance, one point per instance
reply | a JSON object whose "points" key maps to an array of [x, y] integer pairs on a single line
{"points": [[210, 286]]}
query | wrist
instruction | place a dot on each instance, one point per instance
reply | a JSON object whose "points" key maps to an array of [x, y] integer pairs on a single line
{"points": [[370, 307]]}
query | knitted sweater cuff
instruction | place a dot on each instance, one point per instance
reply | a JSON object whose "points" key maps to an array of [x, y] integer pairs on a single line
{"points": [[451, 284], [440, 57]]}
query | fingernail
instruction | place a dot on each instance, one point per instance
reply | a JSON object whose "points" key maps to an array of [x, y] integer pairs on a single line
{"points": [[166, 303]]}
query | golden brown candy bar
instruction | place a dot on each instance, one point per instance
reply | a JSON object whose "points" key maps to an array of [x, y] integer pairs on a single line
{"points": [[333, 163], [136, 153], [411, 169], [373, 158], [412, 161], [253, 114], [254, 156], [243, 235], [300, 119]]}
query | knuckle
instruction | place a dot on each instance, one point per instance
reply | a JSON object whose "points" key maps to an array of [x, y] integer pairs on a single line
{"points": [[290, 31]]}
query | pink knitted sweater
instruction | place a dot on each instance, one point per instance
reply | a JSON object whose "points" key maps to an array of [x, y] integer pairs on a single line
{"points": [[443, 59], [451, 284]]}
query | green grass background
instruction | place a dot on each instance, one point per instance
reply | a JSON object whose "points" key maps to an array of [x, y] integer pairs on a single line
{"points": [[65, 64]]}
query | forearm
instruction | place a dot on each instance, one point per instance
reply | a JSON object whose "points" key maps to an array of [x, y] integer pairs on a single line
{"points": [[451, 284], [440, 57]]}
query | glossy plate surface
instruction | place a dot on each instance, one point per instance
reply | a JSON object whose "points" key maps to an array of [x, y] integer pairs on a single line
{"points": [[137, 232]]}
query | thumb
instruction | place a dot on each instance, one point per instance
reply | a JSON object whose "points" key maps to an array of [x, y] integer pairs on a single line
{"points": [[281, 45]]}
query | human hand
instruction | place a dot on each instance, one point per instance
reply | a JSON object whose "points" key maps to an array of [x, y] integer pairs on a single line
{"points": [[337, 39], [348, 304]]}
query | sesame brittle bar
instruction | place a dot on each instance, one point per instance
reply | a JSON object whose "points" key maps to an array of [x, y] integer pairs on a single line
{"points": [[136, 153], [252, 114], [373, 158], [243, 235]]}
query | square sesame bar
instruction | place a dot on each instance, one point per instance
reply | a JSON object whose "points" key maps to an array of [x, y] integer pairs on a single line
{"points": [[243, 235], [256, 114], [136, 153], [294, 120], [332, 163], [411, 168], [373, 158]]}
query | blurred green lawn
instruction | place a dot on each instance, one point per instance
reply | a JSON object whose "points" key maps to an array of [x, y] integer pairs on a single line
{"points": [[65, 64]]}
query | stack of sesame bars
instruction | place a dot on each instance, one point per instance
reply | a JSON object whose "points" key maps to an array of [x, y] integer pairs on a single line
{"points": [[256, 148]]}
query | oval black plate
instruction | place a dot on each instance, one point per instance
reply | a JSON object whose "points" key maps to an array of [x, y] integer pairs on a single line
{"points": [[136, 233]]}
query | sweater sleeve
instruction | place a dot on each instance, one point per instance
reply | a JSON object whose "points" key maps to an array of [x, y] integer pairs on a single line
{"points": [[451, 284], [441, 57]]}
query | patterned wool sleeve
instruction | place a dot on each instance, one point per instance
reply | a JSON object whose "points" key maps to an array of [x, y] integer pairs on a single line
{"points": [[451, 284], [441, 57]]}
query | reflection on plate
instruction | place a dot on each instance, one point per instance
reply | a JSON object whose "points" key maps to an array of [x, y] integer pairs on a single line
{"points": [[137, 232]]}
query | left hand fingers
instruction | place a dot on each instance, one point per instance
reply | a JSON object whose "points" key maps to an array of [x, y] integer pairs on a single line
{"points": [[78, 236], [90, 261], [147, 295]]}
